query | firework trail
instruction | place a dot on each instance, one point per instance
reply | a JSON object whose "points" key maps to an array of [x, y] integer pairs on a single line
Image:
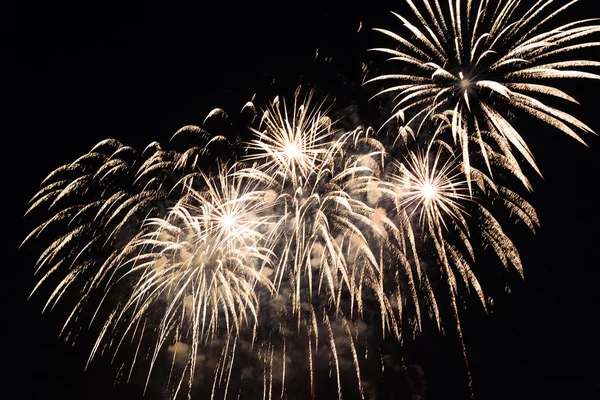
{"points": [[304, 238]]}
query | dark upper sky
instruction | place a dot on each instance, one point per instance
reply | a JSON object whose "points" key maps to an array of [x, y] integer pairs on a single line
{"points": [[81, 72]]}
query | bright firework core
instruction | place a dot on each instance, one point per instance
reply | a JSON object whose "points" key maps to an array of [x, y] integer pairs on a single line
{"points": [[465, 83], [228, 220], [428, 191], [292, 151]]}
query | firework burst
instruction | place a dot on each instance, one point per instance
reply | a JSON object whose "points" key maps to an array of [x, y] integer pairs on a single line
{"points": [[203, 260], [430, 187], [466, 62]]}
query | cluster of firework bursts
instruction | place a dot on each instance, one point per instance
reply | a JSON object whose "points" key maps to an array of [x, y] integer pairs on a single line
{"points": [[306, 239]]}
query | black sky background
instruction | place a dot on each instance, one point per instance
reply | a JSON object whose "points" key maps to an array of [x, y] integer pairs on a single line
{"points": [[81, 72]]}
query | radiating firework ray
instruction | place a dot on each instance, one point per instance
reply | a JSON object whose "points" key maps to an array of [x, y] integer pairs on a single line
{"points": [[468, 61]]}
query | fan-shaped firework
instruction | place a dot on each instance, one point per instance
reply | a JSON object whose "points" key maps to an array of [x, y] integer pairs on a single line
{"points": [[307, 238], [465, 62]]}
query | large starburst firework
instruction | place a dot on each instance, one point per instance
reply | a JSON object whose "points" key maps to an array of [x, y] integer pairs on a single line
{"points": [[465, 62]]}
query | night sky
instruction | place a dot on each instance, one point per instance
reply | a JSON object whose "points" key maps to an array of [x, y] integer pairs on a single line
{"points": [[138, 71]]}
